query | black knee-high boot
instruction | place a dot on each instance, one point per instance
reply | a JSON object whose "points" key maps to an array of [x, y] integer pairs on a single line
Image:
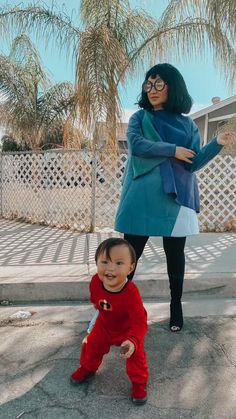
{"points": [[176, 313], [138, 243], [174, 250]]}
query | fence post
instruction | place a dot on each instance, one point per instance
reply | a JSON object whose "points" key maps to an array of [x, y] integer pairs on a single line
{"points": [[93, 193]]}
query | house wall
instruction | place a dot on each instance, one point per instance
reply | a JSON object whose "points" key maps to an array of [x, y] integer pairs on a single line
{"points": [[212, 129], [226, 110], [200, 123], [214, 125]]}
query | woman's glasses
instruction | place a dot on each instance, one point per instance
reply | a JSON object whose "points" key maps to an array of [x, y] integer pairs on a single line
{"points": [[158, 85]]}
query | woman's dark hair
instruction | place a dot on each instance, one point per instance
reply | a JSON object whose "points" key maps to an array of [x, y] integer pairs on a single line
{"points": [[178, 100], [108, 244]]}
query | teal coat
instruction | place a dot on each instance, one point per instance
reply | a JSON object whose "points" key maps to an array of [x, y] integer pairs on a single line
{"points": [[145, 209]]}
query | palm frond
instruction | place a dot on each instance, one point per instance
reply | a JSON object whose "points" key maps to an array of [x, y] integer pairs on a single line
{"points": [[219, 26], [179, 10], [56, 105], [44, 23], [135, 29], [15, 87], [220, 13], [101, 62], [223, 14], [173, 41], [24, 53], [103, 12]]}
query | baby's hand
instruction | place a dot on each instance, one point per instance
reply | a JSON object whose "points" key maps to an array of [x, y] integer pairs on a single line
{"points": [[127, 349]]}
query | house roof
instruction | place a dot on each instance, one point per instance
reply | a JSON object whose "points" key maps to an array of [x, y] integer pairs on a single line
{"points": [[214, 107]]}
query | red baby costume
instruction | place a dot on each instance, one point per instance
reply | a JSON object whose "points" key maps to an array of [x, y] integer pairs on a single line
{"points": [[121, 316]]}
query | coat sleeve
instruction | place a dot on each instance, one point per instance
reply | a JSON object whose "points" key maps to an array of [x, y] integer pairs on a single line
{"points": [[137, 317], [142, 147], [204, 154]]}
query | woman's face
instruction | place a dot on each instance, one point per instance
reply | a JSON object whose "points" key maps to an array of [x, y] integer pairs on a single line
{"points": [[157, 92]]}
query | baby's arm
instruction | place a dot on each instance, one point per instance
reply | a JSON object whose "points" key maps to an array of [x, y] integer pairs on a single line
{"points": [[138, 324]]}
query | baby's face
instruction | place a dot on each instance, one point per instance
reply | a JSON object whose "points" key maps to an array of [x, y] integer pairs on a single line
{"points": [[113, 270]]}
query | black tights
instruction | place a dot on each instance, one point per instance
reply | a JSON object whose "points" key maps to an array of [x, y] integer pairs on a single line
{"points": [[175, 258]]}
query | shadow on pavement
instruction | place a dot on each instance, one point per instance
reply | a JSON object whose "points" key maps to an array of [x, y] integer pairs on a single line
{"points": [[192, 373]]}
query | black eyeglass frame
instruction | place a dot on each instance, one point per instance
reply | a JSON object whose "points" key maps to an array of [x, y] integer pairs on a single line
{"points": [[151, 85]]}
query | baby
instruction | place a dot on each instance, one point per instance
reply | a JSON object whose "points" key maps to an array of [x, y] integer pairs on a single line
{"points": [[121, 320]]}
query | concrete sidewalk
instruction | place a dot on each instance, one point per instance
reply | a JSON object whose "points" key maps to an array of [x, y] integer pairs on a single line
{"points": [[39, 263], [192, 373]]}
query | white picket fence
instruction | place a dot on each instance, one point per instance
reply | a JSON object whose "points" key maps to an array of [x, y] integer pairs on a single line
{"points": [[80, 191]]}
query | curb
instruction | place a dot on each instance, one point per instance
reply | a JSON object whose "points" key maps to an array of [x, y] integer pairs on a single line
{"points": [[69, 289]]}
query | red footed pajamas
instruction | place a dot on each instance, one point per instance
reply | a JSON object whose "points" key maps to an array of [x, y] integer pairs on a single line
{"points": [[121, 317]]}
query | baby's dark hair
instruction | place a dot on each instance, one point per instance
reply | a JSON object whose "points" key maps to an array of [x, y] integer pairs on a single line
{"points": [[108, 244]]}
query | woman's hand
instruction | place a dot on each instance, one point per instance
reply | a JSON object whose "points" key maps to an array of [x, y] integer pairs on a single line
{"points": [[226, 138], [184, 154], [127, 349]]}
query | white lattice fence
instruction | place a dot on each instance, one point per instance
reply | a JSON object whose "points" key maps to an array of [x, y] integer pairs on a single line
{"points": [[218, 194], [77, 190], [51, 188], [108, 192]]}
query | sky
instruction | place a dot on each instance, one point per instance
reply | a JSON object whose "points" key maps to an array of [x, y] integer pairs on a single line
{"points": [[202, 79]]}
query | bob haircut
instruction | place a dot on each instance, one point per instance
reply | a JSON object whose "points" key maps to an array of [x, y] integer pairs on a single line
{"points": [[179, 100], [108, 244]]}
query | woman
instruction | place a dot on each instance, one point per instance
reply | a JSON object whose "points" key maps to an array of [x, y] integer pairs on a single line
{"points": [[160, 193]]}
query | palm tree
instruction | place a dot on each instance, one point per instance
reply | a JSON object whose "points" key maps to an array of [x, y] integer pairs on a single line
{"points": [[32, 109], [115, 40]]}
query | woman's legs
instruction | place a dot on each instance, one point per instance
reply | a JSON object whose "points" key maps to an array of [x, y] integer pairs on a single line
{"points": [[138, 243], [174, 250]]}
